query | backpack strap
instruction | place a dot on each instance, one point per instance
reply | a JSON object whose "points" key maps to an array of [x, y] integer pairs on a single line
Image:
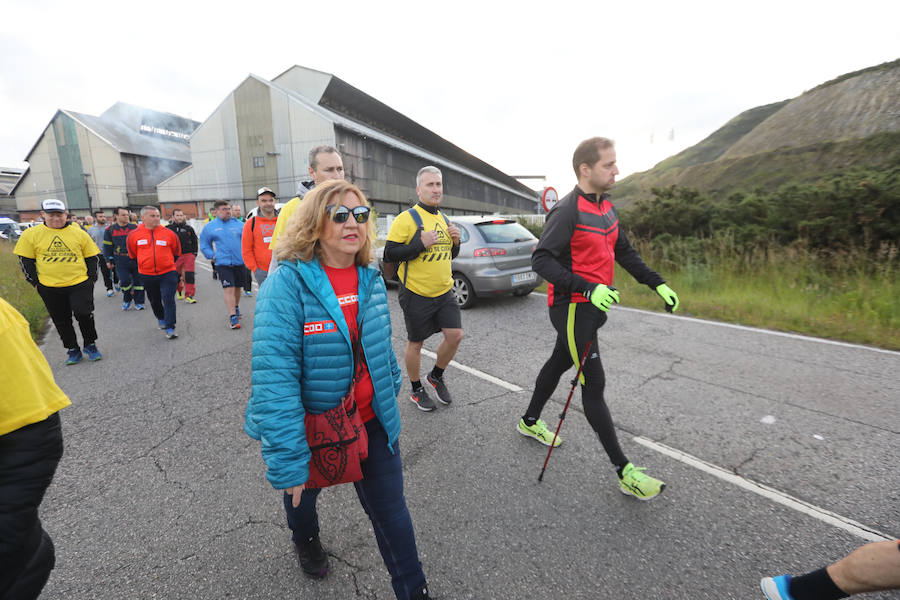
{"points": [[252, 224], [417, 218]]}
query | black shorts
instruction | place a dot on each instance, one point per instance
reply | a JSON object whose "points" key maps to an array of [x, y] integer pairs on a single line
{"points": [[425, 316], [231, 275]]}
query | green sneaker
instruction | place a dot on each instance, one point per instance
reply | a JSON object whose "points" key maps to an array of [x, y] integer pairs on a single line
{"points": [[539, 432], [635, 483]]}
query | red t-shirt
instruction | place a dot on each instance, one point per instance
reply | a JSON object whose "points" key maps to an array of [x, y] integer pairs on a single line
{"points": [[346, 287]]}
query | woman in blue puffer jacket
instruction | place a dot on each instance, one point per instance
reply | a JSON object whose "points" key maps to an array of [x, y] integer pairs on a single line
{"points": [[322, 301]]}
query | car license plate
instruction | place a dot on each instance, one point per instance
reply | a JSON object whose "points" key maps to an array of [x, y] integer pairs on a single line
{"points": [[523, 277]]}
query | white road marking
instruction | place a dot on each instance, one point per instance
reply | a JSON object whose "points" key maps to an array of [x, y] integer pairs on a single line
{"points": [[795, 336], [768, 420], [481, 375], [826, 516]]}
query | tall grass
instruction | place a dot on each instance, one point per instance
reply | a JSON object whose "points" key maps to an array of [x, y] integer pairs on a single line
{"points": [[18, 292], [849, 295]]}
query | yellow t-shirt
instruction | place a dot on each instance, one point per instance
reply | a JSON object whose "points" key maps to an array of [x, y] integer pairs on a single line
{"points": [[59, 253], [286, 211], [430, 273], [30, 394]]}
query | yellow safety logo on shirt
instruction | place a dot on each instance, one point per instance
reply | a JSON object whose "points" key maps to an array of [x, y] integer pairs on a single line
{"points": [[57, 251]]}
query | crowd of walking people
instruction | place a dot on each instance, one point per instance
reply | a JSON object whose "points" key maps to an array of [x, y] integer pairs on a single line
{"points": [[324, 376]]}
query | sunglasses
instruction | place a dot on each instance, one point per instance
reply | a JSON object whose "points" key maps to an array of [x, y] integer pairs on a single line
{"points": [[340, 214]]}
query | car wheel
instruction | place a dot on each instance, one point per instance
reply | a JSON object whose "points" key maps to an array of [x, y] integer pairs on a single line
{"points": [[462, 290]]}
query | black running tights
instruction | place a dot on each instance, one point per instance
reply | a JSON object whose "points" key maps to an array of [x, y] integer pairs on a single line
{"points": [[579, 322]]}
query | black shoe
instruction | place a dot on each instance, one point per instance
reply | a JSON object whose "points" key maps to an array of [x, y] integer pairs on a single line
{"points": [[313, 559], [443, 393], [422, 400]]}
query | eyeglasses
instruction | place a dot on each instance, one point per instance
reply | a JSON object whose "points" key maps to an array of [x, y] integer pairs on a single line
{"points": [[340, 214]]}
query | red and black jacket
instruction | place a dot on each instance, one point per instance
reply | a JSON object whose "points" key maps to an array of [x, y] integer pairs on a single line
{"points": [[186, 235], [579, 246]]}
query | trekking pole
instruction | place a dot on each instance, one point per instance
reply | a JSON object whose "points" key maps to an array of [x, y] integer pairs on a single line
{"points": [[562, 415]]}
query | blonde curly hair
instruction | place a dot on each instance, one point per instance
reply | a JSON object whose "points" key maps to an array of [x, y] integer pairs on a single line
{"points": [[300, 239]]}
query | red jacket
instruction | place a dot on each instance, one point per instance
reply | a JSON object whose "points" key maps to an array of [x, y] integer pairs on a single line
{"points": [[255, 242], [155, 250]]}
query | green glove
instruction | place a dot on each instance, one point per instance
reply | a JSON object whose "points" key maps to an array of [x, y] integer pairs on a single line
{"points": [[669, 296], [603, 296]]}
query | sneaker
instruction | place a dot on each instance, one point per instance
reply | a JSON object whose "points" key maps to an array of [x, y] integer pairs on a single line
{"points": [[126, 305], [539, 432], [635, 483], [117, 287], [421, 594], [73, 356], [170, 334], [92, 353], [110, 293], [237, 311], [443, 394], [190, 300], [139, 306], [313, 559], [776, 588], [233, 322], [179, 295], [162, 323], [422, 400], [246, 293]]}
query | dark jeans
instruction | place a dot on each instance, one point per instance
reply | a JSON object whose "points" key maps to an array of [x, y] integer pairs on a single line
{"points": [[130, 280], [587, 320], [64, 302], [161, 293], [107, 277], [28, 459], [381, 494]]}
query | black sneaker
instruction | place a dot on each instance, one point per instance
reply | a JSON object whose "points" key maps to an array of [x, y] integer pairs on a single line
{"points": [[443, 393], [421, 594], [313, 559], [422, 400]]}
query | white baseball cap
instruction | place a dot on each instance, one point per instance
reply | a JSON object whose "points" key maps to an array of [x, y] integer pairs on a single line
{"points": [[265, 190], [53, 205]]}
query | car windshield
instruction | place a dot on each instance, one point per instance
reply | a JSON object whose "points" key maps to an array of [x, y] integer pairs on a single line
{"points": [[499, 232]]}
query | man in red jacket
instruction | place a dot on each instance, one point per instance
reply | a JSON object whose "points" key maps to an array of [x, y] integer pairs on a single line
{"points": [[258, 234], [156, 249]]}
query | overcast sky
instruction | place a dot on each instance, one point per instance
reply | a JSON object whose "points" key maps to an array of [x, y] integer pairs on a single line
{"points": [[517, 84]]}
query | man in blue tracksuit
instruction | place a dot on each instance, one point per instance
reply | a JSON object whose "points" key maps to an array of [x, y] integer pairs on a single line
{"points": [[220, 241], [116, 254]]}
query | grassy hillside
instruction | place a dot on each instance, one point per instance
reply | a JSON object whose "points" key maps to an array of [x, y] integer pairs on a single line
{"points": [[850, 121]]}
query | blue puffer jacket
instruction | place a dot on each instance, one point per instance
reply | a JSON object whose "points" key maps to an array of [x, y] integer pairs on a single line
{"points": [[302, 361], [227, 236]]}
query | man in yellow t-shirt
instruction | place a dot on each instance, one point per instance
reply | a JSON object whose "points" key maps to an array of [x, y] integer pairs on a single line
{"points": [[426, 277], [30, 449], [325, 164], [60, 261]]}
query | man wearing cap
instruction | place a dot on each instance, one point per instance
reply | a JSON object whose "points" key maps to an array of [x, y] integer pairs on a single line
{"points": [[185, 263], [258, 234], [325, 164], [60, 261]]}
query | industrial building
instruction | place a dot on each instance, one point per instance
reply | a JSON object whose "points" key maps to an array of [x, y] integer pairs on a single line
{"points": [[261, 134], [8, 178], [92, 163]]}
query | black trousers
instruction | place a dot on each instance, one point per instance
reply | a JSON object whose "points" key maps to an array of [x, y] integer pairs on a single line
{"points": [[107, 276], [28, 460], [578, 323], [64, 302]]}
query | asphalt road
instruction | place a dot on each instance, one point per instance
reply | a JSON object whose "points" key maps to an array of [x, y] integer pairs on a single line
{"points": [[160, 494]]}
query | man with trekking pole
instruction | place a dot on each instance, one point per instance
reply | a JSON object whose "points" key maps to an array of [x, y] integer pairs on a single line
{"points": [[576, 255]]}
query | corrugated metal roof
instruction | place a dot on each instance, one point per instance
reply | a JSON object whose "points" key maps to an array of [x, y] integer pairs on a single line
{"points": [[431, 156], [120, 127]]}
